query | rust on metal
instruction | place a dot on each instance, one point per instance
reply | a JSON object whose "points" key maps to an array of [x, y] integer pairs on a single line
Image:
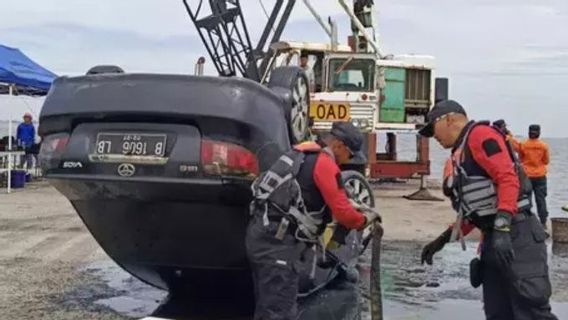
{"points": [[382, 168]]}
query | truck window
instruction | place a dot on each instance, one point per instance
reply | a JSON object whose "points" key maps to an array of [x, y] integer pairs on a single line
{"points": [[350, 74]]}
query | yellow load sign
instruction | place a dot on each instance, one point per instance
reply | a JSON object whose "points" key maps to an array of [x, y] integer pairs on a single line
{"points": [[330, 111]]}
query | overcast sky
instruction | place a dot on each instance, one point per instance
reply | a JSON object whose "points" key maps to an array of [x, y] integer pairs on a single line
{"points": [[505, 58]]}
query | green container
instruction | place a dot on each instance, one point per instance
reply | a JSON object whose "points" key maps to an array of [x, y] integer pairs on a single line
{"points": [[391, 115], [395, 74], [392, 109]]}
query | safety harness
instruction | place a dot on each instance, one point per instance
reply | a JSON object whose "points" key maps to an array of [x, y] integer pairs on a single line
{"points": [[279, 189], [475, 196]]}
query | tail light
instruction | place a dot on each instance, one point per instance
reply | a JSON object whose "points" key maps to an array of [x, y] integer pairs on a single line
{"points": [[51, 150], [221, 158]]}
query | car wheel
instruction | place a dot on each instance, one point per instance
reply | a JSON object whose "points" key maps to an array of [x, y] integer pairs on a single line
{"points": [[105, 69], [298, 102], [358, 188]]}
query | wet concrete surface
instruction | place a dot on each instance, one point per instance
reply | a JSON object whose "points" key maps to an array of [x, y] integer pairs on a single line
{"points": [[118, 290], [411, 291], [52, 268], [442, 291]]}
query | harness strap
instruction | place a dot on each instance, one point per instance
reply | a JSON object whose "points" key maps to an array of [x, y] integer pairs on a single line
{"points": [[458, 232], [265, 190], [284, 172], [314, 263], [479, 190], [306, 222], [523, 204]]}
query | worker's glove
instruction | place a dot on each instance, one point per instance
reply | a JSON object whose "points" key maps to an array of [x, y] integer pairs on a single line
{"points": [[369, 213], [501, 241], [371, 216], [438, 244]]}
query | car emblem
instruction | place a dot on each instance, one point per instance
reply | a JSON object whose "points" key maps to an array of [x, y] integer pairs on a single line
{"points": [[72, 165], [126, 170]]}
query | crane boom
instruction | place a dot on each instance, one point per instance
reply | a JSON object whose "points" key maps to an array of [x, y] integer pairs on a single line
{"points": [[223, 30]]}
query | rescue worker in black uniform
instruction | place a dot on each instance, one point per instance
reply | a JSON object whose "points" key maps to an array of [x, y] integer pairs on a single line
{"points": [[293, 202], [490, 191]]}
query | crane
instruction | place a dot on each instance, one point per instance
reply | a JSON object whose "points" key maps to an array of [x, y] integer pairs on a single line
{"points": [[224, 32]]}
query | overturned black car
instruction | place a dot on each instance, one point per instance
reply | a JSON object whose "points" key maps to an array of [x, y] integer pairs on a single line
{"points": [[159, 169]]}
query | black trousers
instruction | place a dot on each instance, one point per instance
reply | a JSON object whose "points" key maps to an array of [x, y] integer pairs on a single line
{"points": [[539, 186], [523, 292], [274, 265]]}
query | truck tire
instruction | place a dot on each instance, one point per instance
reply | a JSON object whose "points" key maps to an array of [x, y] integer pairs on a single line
{"points": [[294, 82]]}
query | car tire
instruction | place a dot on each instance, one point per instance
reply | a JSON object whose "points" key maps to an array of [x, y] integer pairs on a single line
{"points": [[358, 188], [105, 69], [295, 82]]}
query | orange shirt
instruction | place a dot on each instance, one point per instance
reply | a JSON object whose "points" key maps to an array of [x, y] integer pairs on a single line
{"points": [[534, 155]]}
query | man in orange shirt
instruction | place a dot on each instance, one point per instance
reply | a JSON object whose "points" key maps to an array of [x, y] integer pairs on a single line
{"points": [[535, 157]]}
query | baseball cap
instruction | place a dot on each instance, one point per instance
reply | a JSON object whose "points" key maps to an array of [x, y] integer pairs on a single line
{"points": [[534, 131], [347, 133], [534, 128], [499, 123], [440, 109]]}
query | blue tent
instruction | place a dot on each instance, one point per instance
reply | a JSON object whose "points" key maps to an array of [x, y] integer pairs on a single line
{"points": [[17, 69]]}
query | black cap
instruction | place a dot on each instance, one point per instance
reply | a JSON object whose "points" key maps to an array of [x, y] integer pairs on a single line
{"points": [[440, 109], [499, 123], [534, 128], [534, 131], [347, 133]]}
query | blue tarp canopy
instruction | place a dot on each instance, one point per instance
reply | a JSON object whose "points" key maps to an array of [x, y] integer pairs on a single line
{"points": [[17, 69]]}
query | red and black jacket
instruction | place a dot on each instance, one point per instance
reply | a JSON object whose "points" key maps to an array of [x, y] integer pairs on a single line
{"points": [[486, 154], [321, 184]]}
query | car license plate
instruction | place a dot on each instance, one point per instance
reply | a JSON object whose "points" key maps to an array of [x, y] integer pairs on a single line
{"points": [[131, 144], [324, 111]]}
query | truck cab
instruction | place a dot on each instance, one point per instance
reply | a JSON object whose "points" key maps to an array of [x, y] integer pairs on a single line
{"points": [[374, 94], [351, 92], [347, 93]]}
